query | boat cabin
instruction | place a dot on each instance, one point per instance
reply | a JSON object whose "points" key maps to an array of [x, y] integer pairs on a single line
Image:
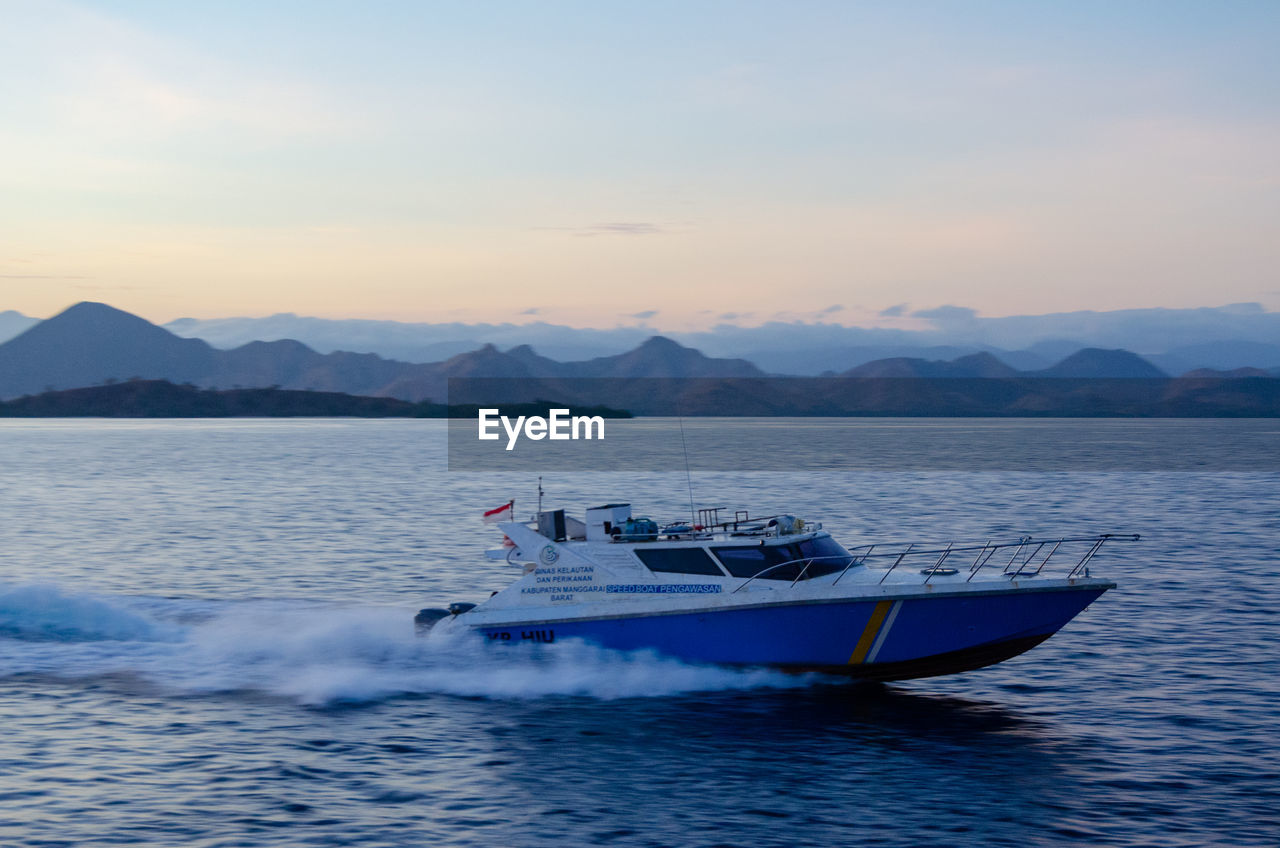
{"points": [[813, 556], [777, 547]]}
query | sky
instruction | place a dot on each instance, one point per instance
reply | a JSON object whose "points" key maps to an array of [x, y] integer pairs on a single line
{"points": [[674, 164]]}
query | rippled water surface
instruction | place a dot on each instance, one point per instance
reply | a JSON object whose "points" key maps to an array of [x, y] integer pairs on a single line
{"points": [[205, 639]]}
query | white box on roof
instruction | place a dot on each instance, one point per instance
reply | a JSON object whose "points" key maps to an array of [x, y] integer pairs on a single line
{"points": [[602, 519]]}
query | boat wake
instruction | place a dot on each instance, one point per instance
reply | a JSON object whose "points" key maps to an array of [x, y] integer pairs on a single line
{"points": [[318, 654], [45, 613]]}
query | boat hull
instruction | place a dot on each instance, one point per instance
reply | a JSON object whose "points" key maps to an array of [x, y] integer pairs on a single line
{"points": [[874, 639]]}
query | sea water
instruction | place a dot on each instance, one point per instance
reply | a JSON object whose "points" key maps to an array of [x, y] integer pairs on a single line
{"points": [[206, 639]]}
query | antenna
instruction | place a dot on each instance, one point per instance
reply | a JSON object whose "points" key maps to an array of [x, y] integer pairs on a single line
{"points": [[539, 495], [693, 518]]}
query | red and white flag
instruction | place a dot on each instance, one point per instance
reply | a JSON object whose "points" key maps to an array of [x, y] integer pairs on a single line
{"points": [[502, 513]]}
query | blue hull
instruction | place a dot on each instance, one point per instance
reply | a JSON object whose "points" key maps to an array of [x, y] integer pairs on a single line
{"points": [[881, 640]]}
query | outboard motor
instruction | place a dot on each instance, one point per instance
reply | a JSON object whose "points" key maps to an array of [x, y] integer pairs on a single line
{"points": [[430, 617], [427, 618]]}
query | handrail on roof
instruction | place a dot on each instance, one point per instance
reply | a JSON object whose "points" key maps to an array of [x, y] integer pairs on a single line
{"points": [[985, 553], [808, 561]]}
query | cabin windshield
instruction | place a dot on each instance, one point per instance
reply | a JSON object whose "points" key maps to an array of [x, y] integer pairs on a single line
{"points": [[748, 561], [822, 555], [828, 556]]}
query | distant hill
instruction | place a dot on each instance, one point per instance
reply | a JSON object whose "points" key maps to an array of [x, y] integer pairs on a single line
{"points": [[1226, 355], [975, 365], [91, 342], [1233, 374], [662, 357], [540, 376], [431, 380], [12, 323], [1087, 364], [536, 365], [162, 399], [407, 341], [1095, 363], [656, 357]]}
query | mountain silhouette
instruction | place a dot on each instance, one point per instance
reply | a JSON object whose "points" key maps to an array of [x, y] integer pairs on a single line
{"points": [[536, 365], [662, 357], [12, 323], [91, 343], [419, 382], [1095, 363], [1086, 364], [982, 365]]}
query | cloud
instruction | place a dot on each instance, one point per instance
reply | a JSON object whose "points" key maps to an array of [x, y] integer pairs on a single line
{"points": [[896, 311], [947, 314], [131, 83], [645, 315], [532, 310], [833, 308], [39, 277], [612, 228]]}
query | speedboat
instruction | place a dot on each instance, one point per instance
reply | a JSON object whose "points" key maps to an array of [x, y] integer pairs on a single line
{"points": [[779, 591]]}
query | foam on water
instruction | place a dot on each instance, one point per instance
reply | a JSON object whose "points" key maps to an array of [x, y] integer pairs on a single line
{"points": [[321, 654], [45, 613]]}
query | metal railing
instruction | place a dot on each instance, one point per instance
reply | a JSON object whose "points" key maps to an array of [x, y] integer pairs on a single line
{"points": [[742, 521], [808, 561], [1022, 559]]}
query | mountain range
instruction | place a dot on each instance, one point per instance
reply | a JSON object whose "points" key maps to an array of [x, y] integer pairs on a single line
{"points": [[1089, 363], [1174, 340], [93, 343]]}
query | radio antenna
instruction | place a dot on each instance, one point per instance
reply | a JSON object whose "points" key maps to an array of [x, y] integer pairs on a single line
{"points": [[693, 518]]}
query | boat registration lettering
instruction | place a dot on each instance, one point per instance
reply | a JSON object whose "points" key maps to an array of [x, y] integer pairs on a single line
{"points": [[525, 636], [663, 588]]}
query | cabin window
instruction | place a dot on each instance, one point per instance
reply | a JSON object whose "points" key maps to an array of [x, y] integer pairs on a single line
{"points": [[750, 561], [679, 561]]}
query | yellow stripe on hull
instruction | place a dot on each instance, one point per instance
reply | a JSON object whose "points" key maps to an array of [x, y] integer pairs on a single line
{"points": [[869, 633]]}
